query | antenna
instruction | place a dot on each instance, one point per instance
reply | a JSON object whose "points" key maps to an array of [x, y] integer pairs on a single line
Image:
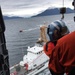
{"points": [[62, 10]]}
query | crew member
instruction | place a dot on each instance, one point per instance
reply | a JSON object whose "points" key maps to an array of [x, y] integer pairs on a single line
{"points": [[55, 31], [62, 59]]}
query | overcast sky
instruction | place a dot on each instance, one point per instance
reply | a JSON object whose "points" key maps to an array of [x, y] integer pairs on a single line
{"points": [[30, 7]]}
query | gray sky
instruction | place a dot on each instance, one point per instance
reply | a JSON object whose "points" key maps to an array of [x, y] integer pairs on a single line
{"points": [[30, 7]]}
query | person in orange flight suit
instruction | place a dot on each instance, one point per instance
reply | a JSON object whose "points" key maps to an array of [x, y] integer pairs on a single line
{"points": [[62, 59], [55, 31]]}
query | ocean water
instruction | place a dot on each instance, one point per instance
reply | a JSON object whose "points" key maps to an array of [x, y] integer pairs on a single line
{"points": [[18, 42]]}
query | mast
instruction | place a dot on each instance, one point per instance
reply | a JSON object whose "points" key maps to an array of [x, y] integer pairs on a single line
{"points": [[43, 38], [43, 33]]}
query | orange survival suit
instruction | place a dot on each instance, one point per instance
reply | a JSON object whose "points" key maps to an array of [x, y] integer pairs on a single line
{"points": [[48, 47], [62, 58]]}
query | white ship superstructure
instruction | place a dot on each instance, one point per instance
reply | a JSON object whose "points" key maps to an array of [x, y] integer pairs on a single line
{"points": [[35, 57], [34, 62]]}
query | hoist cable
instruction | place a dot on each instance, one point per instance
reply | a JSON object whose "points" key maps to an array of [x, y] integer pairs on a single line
{"points": [[63, 3], [62, 10]]}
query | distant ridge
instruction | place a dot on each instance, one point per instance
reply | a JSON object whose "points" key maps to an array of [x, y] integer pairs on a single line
{"points": [[53, 11], [13, 17], [50, 11]]}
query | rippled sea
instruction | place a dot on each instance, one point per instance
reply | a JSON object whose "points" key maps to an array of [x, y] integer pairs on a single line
{"points": [[18, 42]]}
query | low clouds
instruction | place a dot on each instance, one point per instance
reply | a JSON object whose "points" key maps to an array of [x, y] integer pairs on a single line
{"points": [[29, 7], [19, 4], [23, 7]]}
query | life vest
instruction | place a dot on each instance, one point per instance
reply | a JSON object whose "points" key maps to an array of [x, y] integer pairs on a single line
{"points": [[48, 48]]}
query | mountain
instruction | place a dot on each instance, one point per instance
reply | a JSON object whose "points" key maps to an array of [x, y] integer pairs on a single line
{"points": [[53, 11], [50, 11], [13, 17]]}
